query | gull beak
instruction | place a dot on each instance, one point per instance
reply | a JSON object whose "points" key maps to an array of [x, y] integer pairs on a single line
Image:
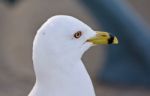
{"points": [[103, 38]]}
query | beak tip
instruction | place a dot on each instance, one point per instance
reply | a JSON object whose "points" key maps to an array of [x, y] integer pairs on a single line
{"points": [[115, 41]]}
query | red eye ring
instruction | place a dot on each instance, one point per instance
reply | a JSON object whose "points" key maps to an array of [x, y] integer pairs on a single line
{"points": [[78, 34]]}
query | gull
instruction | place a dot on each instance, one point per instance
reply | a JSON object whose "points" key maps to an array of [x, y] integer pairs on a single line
{"points": [[57, 50]]}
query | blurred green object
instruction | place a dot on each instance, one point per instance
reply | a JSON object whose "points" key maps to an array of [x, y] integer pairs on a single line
{"points": [[129, 62]]}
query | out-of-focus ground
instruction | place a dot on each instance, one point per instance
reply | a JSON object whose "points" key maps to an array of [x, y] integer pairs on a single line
{"points": [[18, 25]]}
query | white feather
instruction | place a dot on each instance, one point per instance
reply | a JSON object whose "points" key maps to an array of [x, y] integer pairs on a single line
{"points": [[57, 58]]}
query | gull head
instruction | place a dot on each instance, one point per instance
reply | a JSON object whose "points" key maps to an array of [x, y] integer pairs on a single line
{"points": [[68, 36], [57, 50]]}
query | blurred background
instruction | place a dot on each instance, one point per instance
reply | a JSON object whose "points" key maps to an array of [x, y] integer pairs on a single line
{"points": [[123, 70]]}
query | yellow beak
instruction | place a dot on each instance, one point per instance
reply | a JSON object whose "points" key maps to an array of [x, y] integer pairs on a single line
{"points": [[103, 38]]}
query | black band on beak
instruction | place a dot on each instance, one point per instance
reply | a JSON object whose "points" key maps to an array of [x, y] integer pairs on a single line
{"points": [[111, 39]]}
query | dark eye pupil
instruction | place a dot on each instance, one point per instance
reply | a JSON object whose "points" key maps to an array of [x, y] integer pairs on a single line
{"points": [[78, 34]]}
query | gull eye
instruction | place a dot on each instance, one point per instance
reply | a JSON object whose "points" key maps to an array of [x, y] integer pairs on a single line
{"points": [[78, 34]]}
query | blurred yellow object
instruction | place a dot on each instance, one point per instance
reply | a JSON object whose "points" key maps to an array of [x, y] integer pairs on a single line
{"points": [[103, 38]]}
